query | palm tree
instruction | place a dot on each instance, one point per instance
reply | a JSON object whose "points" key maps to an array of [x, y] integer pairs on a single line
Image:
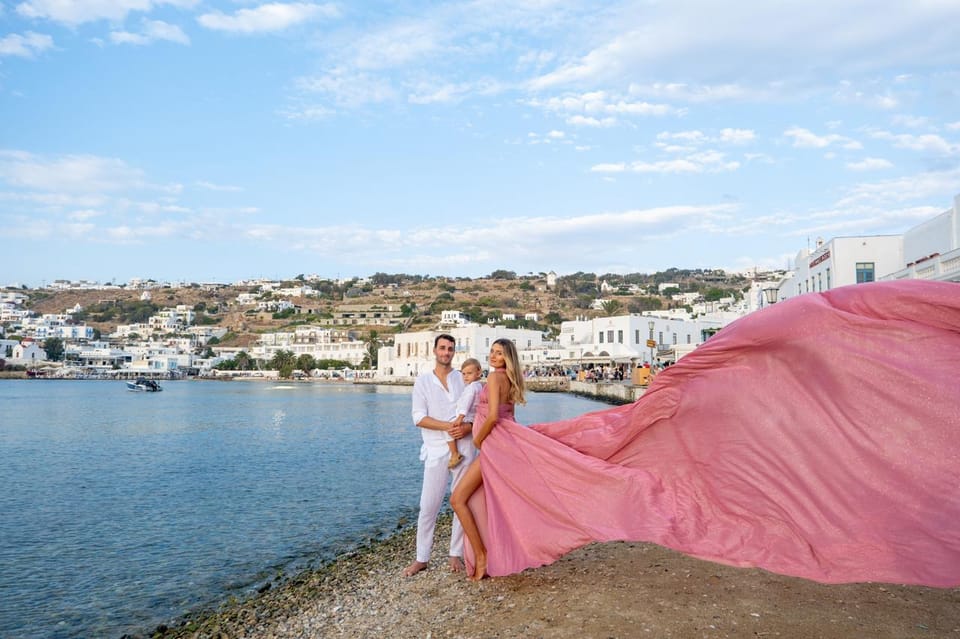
{"points": [[611, 307], [284, 362], [373, 347], [243, 360]]}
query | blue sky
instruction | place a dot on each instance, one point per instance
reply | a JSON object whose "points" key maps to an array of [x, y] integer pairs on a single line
{"points": [[215, 141]]}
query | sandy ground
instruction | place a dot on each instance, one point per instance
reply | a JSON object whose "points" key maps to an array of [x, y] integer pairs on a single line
{"points": [[613, 590]]}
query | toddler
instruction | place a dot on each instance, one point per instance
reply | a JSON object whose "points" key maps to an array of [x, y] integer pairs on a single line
{"points": [[466, 404]]}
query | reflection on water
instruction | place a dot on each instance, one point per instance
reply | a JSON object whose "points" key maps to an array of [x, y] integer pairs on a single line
{"points": [[124, 510]]}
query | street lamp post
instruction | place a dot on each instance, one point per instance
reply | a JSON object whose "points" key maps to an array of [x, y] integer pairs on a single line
{"points": [[770, 294], [651, 342]]}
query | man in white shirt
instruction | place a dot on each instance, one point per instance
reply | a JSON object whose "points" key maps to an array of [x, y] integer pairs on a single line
{"points": [[435, 394]]}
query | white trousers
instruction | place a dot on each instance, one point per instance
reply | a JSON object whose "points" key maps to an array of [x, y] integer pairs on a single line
{"points": [[436, 478]]}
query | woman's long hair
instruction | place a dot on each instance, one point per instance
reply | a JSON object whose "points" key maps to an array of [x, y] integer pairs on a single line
{"points": [[512, 360]]}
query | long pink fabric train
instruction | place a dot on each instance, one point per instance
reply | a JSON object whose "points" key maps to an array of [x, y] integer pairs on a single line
{"points": [[819, 438]]}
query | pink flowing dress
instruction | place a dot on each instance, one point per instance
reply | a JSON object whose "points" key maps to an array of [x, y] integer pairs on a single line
{"points": [[819, 438]]}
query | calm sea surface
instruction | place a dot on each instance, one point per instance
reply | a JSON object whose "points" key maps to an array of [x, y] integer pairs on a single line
{"points": [[120, 511]]}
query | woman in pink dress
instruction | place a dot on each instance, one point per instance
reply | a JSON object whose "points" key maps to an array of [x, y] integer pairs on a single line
{"points": [[819, 437], [503, 390]]}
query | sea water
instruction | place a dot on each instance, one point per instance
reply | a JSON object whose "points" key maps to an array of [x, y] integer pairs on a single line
{"points": [[121, 511]]}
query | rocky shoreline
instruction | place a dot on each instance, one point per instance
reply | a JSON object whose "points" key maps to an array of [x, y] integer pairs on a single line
{"points": [[602, 590]]}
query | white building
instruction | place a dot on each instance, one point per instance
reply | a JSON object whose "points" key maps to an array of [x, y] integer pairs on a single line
{"points": [[930, 250], [321, 343], [96, 356], [26, 353], [126, 330], [413, 352], [633, 338], [153, 358], [551, 280], [171, 320], [451, 319]]}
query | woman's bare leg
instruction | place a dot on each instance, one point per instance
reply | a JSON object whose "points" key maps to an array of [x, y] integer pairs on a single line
{"points": [[468, 484]]}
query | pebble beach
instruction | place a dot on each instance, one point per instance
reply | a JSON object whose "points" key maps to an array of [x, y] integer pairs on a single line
{"points": [[612, 590]]}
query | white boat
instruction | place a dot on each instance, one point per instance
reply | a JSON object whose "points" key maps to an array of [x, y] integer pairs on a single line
{"points": [[144, 386]]}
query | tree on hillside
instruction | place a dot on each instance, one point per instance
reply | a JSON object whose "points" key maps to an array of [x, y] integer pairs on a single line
{"points": [[53, 346], [306, 363], [503, 275], [641, 304], [611, 307]]}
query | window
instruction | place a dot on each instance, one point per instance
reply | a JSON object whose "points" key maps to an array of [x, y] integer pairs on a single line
{"points": [[619, 337], [674, 339], [828, 279], [601, 337], [820, 281], [610, 336], [636, 336], [864, 272]]}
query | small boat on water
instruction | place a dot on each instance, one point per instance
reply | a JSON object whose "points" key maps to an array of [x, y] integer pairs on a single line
{"points": [[144, 386]]}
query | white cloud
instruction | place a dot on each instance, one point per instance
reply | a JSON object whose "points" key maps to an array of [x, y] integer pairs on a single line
{"points": [[307, 113], [870, 164], [699, 162], [274, 16], [580, 120], [27, 45], [153, 31], [440, 94], [806, 139], [210, 186], [618, 167], [349, 89], [690, 137], [69, 173], [693, 138], [683, 92], [600, 103], [756, 41], [737, 136], [911, 121], [928, 143], [953, 126], [908, 188], [74, 12], [398, 45]]}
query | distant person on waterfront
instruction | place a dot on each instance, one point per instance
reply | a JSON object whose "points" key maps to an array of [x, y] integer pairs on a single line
{"points": [[503, 390], [435, 394], [466, 404]]}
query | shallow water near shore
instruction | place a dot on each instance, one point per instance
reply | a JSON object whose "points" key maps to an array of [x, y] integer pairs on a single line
{"points": [[121, 511]]}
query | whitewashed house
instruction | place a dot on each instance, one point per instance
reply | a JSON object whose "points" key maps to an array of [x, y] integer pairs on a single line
{"points": [[321, 343], [26, 353], [413, 352]]}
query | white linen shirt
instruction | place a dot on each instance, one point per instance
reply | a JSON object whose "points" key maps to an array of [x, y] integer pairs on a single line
{"points": [[430, 398]]}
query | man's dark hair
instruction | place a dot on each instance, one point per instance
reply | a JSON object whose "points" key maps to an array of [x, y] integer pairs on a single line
{"points": [[441, 336]]}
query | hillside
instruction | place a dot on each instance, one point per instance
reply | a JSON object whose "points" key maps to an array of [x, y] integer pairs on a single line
{"points": [[426, 297]]}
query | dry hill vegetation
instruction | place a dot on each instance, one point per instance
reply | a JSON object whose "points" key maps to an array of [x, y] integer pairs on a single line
{"points": [[423, 298]]}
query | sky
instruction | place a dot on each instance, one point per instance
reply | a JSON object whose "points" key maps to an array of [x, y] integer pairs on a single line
{"points": [[214, 141]]}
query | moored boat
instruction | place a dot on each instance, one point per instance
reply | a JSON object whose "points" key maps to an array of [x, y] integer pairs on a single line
{"points": [[144, 386]]}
